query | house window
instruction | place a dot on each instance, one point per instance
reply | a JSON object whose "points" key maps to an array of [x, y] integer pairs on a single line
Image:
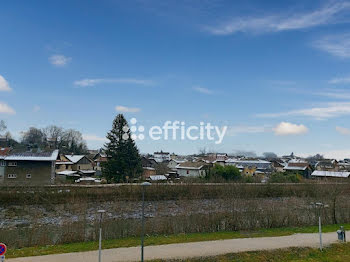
{"points": [[28, 176], [12, 164], [3, 163], [12, 176]]}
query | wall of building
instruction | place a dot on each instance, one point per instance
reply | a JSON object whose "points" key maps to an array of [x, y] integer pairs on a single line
{"points": [[83, 164], [41, 172], [2, 171], [172, 164], [63, 167], [191, 172]]}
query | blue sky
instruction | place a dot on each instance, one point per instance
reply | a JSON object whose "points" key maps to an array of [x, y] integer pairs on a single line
{"points": [[277, 73]]}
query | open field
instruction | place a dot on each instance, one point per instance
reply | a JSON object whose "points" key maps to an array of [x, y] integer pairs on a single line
{"points": [[164, 239]]}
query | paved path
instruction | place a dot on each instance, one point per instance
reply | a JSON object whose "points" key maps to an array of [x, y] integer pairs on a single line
{"points": [[186, 250]]}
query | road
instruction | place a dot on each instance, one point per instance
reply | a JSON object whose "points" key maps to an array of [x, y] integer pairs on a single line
{"points": [[186, 250]]}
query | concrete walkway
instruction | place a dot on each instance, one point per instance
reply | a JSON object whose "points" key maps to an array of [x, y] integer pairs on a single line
{"points": [[186, 250]]}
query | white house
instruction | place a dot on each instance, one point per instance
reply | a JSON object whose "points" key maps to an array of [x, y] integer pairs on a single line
{"points": [[173, 163], [192, 169], [161, 156]]}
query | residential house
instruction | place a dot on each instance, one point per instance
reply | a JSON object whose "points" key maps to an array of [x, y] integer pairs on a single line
{"points": [[148, 171], [299, 166], [161, 156], [63, 164], [81, 164], [149, 167], [148, 162], [327, 165], [344, 165], [3, 153], [29, 168], [255, 165], [192, 169], [278, 165], [174, 162], [249, 171], [98, 160]]}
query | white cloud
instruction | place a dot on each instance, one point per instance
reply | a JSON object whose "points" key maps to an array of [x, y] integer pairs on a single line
{"points": [[330, 110], [343, 130], [36, 108], [59, 60], [328, 14], [336, 45], [95, 81], [4, 85], [91, 137], [203, 90], [5, 109], [340, 80], [125, 109], [286, 128]]}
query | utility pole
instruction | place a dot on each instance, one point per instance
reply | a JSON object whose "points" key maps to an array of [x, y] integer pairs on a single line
{"points": [[318, 207], [143, 185], [101, 212]]}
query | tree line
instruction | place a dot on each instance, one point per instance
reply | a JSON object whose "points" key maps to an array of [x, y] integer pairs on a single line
{"points": [[68, 141]]}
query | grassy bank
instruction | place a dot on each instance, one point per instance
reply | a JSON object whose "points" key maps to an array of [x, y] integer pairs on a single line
{"points": [[76, 194], [334, 253], [163, 239]]}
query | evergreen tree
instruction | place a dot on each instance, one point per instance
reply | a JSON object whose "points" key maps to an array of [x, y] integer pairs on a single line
{"points": [[124, 160]]}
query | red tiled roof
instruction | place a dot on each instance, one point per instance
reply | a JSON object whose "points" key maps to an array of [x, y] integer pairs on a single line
{"points": [[4, 151]]}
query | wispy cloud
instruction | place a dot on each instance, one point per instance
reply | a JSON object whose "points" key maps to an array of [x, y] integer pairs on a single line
{"points": [[326, 14], [91, 137], [342, 130], [203, 90], [95, 81], [59, 60], [4, 85], [6, 109], [336, 45], [286, 128], [334, 93], [329, 110], [243, 129], [340, 80], [125, 109]]}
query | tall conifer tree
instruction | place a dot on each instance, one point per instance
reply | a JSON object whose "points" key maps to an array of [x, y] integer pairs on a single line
{"points": [[123, 156]]}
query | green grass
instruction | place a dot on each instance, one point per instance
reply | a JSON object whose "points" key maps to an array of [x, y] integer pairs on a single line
{"points": [[333, 253], [163, 239]]}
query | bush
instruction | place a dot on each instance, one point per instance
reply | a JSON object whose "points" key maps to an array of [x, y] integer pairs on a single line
{"points": [[228, 173], [285, 178]]}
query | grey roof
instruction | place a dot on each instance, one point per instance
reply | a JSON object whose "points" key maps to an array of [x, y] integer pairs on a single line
{"points": [[31, 156], [259, 164], [74, 158], [330, 174]]}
